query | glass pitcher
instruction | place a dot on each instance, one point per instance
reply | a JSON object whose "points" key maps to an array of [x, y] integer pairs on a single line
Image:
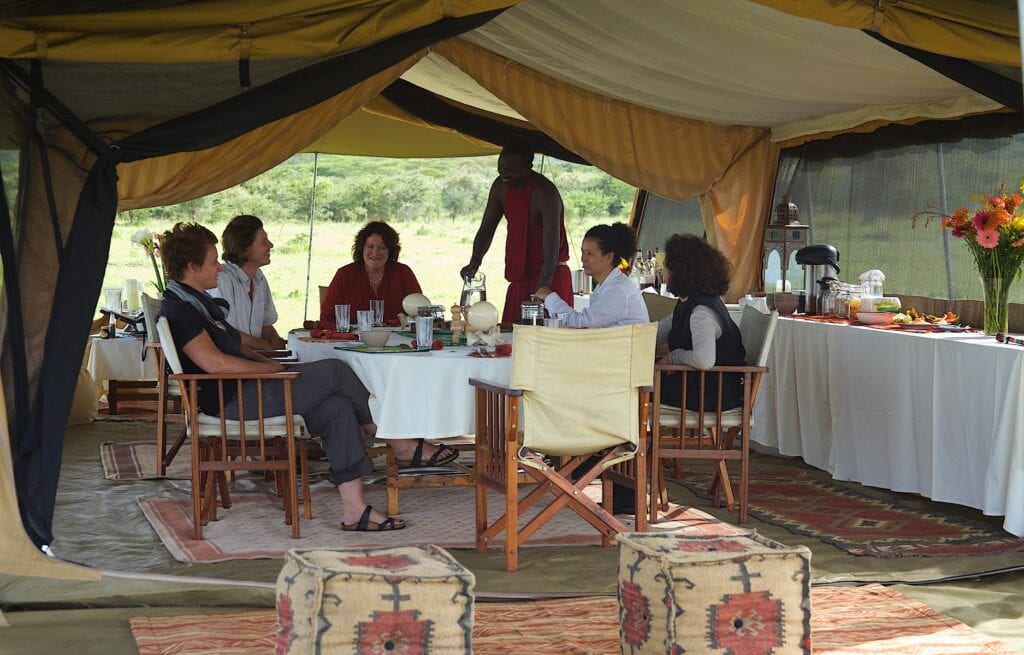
{"points": [[474, 289]]}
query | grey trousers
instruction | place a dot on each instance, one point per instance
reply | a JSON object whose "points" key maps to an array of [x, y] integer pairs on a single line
{"points": [[334, 404]]}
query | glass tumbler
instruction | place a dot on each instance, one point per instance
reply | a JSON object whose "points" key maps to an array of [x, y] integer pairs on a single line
{"points": [[424, 332], [364, 320], [342, 318], [377, 307]]}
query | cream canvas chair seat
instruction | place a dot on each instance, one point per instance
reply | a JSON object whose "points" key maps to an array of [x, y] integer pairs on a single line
{"points": [[710, 433], [585, 399], [164, 392], [221, 446]]}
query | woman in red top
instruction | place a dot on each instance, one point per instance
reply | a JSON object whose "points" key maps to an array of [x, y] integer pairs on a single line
{"points": [[374, 273]]}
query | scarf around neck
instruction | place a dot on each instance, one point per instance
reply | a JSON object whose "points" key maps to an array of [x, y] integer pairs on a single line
{"points": [[215, 310]]}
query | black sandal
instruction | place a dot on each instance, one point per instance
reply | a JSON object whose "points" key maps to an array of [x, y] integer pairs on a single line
{"points": [[443, 455], [364, 524]]}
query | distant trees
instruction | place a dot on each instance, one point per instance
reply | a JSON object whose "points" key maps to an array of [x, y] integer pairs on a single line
{"points": [[358, 189]]}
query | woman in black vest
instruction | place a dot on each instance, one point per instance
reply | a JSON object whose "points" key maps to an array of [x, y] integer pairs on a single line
{"points": [[700, 332]]}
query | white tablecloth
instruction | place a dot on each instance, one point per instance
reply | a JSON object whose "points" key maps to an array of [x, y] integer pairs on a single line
{"points": [[424, 395], [941, 415], [119, 359]]}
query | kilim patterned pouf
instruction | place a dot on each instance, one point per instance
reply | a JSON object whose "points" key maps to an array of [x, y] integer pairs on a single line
{"points": [[374, 601], [707, 594]]}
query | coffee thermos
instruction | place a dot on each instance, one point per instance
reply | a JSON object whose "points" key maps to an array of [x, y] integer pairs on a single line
{"points": [[821, 263]]}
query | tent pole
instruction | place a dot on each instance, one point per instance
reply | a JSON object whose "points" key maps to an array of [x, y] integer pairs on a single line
{"points": [[950, 287], [309, 244]]}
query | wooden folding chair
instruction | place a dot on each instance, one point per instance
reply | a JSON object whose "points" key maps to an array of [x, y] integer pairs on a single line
{"points": [[585, 397], [710, 433], [167, 394], [220, 445]]}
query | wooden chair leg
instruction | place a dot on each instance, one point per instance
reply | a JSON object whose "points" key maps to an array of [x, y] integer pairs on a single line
{"points": [[391, 480], [161, 437], [307, 502], [112, 397]]}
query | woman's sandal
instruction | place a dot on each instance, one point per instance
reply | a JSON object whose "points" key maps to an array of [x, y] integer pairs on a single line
{"points": [[443, 455], [364, 524]]}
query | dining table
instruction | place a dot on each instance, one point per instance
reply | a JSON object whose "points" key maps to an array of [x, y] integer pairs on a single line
{"points": [[124, 364], [414, 394], [939, 414]]}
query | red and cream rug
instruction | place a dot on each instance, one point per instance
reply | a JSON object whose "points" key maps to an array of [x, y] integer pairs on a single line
{"points": [[844, 621], [810, 503], [254, 528]]}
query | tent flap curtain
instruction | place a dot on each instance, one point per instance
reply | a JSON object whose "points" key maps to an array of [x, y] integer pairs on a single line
{"points": [[181, 176], [967, 29], [735, 211]]}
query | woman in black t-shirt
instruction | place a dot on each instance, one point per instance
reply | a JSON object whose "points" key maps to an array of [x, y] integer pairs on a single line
{"points": [[328, 395]]}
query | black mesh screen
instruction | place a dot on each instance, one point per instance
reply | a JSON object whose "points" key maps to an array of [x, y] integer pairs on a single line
{"points": [[863, 206]]}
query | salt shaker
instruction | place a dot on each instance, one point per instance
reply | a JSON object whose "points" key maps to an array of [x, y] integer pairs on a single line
{"points": [[456, 324]]}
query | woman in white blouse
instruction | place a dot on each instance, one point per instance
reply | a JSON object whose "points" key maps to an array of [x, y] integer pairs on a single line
{"points": [[616, 301], [700, 332]]}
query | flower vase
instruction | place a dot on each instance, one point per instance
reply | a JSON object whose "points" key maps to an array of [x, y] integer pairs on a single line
{"points": [[997, 300]]}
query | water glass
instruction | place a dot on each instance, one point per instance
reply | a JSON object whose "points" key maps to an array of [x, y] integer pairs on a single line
{"points": [[342, 318], [424, 332], [377, 307], [553, 321], [364, 320], [112, 298]]}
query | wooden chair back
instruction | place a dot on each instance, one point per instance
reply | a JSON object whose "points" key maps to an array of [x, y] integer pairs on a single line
{"points": [[221, 445], [710, 433]]}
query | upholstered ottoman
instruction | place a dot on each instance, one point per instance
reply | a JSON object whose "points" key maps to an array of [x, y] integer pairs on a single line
{"points": [[374, 601], [708, 594]]}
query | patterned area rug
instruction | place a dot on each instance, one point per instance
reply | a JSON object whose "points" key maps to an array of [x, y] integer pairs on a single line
{"points": [[254, 528], [810, 504], [844, 621], [136, 460]]}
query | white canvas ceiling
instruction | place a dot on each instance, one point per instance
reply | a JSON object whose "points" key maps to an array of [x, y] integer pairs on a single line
{"points": [[730, 62]]}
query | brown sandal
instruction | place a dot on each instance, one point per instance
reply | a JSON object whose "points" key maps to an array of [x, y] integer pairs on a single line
{"points": [[364, 524]]}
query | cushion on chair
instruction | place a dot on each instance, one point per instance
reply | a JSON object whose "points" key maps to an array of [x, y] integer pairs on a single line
{"points": [[210, 426], [670, 416], [713, 594], [415, 599]]}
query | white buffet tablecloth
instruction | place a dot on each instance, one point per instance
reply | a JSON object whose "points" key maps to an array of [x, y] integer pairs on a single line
{"points": [[941, 415], [118, 359], [417, 395]]}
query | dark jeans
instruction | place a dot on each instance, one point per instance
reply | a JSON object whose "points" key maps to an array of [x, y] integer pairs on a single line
{"points": [[334, 404]]}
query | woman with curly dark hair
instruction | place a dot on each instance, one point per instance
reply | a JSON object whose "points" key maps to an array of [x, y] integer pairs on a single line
{"points": [[700, 332], [374, 274]]}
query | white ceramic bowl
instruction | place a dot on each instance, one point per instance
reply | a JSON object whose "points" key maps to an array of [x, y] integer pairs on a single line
{"points": [[412, 302], [482, 316], [875, 318], [375, 338]]}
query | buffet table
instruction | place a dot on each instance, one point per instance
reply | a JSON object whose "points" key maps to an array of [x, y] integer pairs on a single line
{"points": [[415, 394], [941, 415]]}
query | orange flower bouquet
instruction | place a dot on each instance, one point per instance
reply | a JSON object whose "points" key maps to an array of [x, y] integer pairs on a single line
{"points": [[994, 234]]}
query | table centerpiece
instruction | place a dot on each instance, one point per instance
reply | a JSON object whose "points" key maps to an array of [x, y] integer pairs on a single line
{"points": [[994, 235]]}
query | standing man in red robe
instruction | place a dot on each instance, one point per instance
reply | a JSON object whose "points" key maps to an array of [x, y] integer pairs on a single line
{"points": [[536, 248]]}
